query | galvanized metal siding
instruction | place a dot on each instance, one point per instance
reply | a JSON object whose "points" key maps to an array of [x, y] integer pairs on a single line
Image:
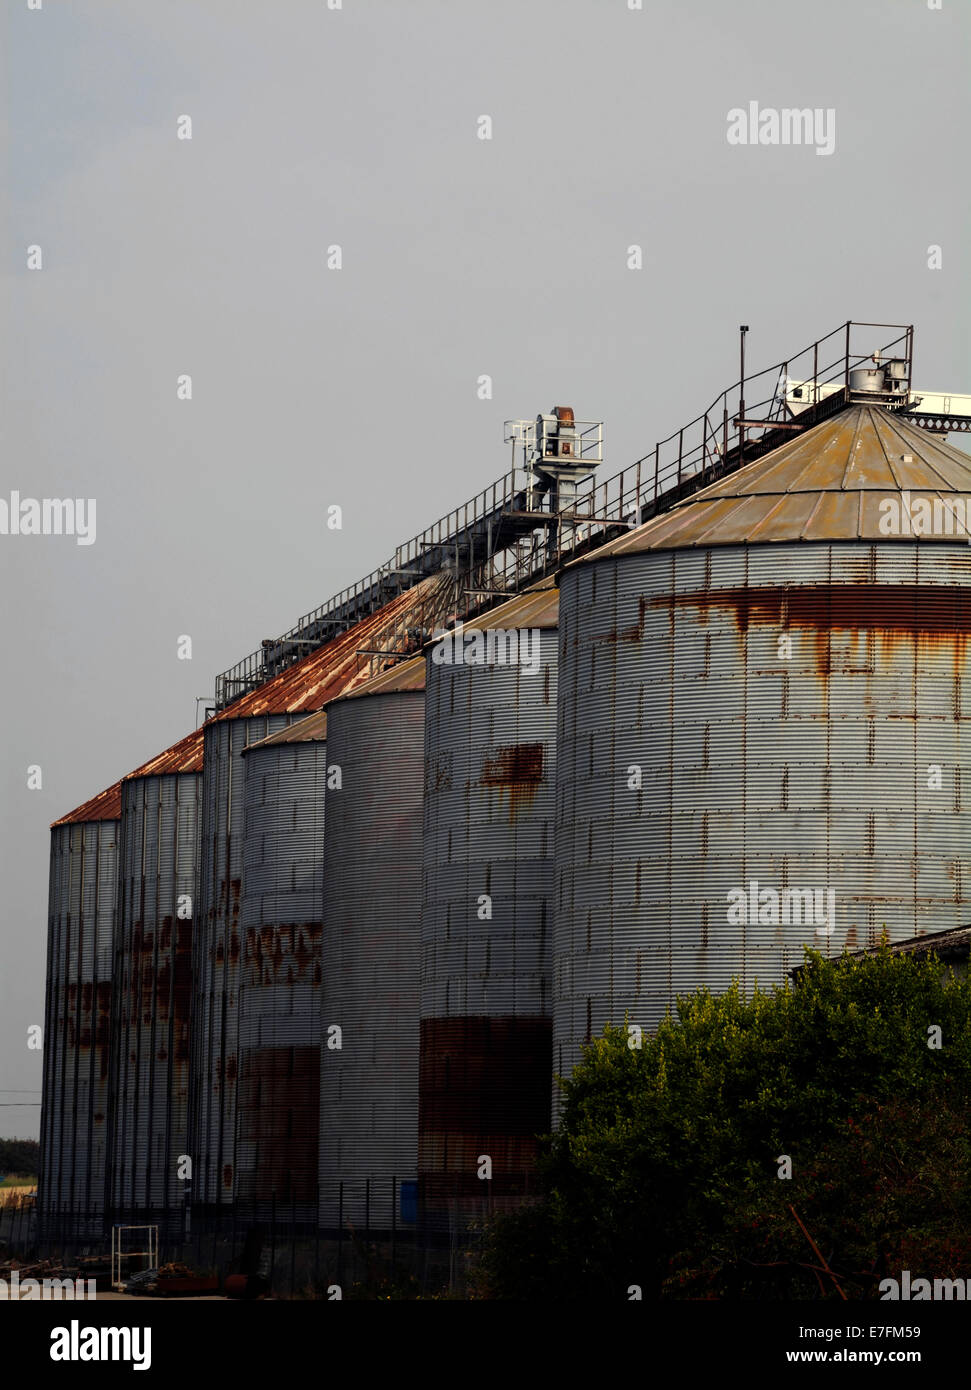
{"points": [[372, 878], [485, 986], [810, 771], [279, 1028], [217, 955], [158, 893], [77, 1038]]}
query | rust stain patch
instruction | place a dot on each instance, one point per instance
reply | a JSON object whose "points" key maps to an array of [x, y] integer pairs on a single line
{"points": [[438, 776], [928, 614], [518, 769], [287, 951], [279, 1107], [483, 1088]]}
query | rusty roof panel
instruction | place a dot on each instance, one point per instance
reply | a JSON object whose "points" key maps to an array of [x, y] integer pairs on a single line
{"points": [[670, 525], [535, 607], [787, 469], [313, 729], [338, 666], [920, 460], [792, 512], [407, 675], [184, 756], [105, 806], [825, 485], [835, 513]]}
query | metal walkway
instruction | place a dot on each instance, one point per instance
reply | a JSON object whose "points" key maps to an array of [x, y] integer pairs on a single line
{"points": [[522, 528]]}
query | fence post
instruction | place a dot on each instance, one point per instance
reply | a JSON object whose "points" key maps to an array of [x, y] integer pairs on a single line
{"points": [[317, 1237], [394, 1222], [293, 1239], [340, 1230], [272, 1237]]}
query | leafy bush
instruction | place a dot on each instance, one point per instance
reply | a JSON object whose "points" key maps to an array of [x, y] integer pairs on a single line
{"points": [[666, 1155]]}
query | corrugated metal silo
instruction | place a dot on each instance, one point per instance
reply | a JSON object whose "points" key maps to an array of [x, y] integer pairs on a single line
{"points": [[486, 926], [761, 694], [302, 689], [281, 922], [372, 921], [158, 890], [75, 1114]]}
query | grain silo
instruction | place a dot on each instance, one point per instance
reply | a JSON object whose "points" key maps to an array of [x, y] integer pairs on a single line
{"points": [[763, 726], [485, 1050], [279, 1022], [372, 923], [218, 967], [158, 873], [75, 1113]]}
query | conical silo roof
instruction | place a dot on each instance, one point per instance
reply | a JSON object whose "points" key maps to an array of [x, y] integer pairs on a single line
{"points": [[105, 806], [535, 607], [826, 485], [336, 668], [184, 756]]}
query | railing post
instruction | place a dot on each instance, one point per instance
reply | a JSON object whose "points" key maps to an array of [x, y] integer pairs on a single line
{"points": [[846, 374], [743, 329], [910, 358]]}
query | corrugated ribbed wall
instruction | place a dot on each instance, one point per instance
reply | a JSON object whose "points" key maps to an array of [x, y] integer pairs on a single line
{"points": [[808, 771], [486, 932], [372, 876], [159, 880], [217, 956], [279, 1028], [77, 1030]]}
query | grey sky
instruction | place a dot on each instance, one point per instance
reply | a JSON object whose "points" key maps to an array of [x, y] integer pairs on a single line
{"points": [[461, 257]]}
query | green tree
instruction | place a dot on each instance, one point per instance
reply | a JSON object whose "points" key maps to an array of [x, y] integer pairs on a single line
{"points": [[20, 1156], [664, 1153]]}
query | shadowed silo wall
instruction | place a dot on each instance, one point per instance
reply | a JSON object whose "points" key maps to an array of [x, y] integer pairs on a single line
{"points": [[218, 955], [279, 1027], [485, 1002], [328, 672], [803, 772], [158, 877], [77, 1030], [372, 875]]}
